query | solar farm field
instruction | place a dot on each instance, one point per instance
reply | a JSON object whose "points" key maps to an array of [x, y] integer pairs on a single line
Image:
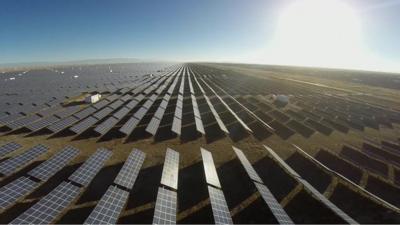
{"points": [[198, 143]]}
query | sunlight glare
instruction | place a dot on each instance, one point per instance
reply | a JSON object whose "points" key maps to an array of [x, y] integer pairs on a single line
{"points": [[318, 33]]}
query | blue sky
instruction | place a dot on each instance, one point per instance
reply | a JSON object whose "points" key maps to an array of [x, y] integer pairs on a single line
{"points": [[188, 30]]}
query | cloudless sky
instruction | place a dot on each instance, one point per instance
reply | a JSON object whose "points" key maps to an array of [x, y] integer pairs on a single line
{"points": [[204, 30]]}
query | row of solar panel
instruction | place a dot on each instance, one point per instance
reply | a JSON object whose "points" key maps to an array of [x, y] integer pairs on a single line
{"points": [[27, 99], [36, 121], [126, 178], [152, 127], [108, 106]]}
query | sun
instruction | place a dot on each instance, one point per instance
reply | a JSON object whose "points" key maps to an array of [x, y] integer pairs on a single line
{"points": [[324, 33]]}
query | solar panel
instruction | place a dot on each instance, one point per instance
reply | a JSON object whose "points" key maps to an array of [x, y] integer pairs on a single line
{"points": [[132, 104], [11, 192], [164, 104], [190, 85], [130, 170], [182, 86], [199, 125], [50, 206], [8, 119], [283, 163], [85, 113], [9, 166], [179, 104], [176, 125], [112, 97], [170, 170], [148, 104], [100, 104], [129, 126], [48, 168], [167, 97], [91, 167], [23, 121], [116, 104], [247, 165], [68, 111], [216, 116], [103, 113], [62, 124], [109, 207], [83, 125], [178, 113], [171, 88], [273, 204], [125, 98], [121, 113], [153, 125], [139, 98], [229, 108], [166, 205], [49, 111], [209, 168], [219, 207], [42, 123], [328, 203], [159, 113], [180, 98], [310, 188], [105, 126], [8, 148], [140, 113], [153, 97], [196, 111]]}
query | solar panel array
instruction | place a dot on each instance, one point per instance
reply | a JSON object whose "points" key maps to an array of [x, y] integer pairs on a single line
{"points": [[85, 112], [15, 190], [166, 203], [154, 123], [49, 111], [9, 166], [219, 207], [8, 148], [166, 206], [266, 194], [91, 167], [170, 170], [62, 124], [109, 207], [122, 112], [209, 168], [130, 170], [273, 204], [229, 108], [247, 165], [83, 125], [67, 111], [106, 125], [50, 206], [42, 123], [102, 113], [23, 122], [212, 109], [27, 94], [218, 203], [311, 189], [177, 121], [328, 203], [141, 93], [48, 168], [131, 124]]}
